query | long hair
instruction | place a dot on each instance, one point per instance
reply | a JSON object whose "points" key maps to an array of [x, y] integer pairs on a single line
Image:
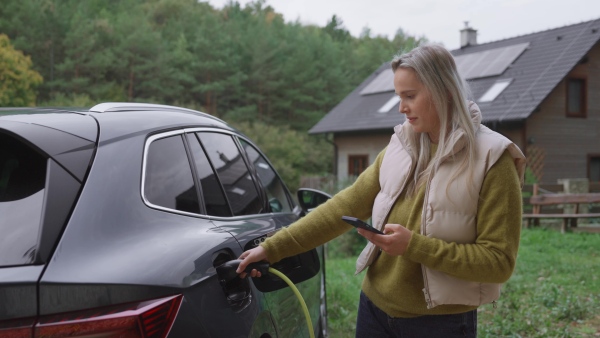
{"points": [[436, 69]]}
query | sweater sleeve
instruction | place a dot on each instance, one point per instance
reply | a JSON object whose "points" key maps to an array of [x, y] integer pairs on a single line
{"points": [[324, 223], [492, 258]]}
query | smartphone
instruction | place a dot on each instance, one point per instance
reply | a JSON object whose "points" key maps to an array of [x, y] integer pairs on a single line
{"points": [[357, 223]]}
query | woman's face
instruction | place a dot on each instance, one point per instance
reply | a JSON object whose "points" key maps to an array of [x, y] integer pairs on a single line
{"points": [[416, 104]]}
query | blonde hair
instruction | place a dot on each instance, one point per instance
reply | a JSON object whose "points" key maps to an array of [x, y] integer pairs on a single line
{"points": [[436, 69]]}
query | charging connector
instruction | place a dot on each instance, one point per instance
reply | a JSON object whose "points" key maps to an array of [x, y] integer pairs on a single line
{"points": [[227, 270]]}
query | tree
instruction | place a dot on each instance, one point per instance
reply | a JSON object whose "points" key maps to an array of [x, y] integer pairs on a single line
{"points": [[241, 63], [17, 80], [335, 28], [292, 153]]}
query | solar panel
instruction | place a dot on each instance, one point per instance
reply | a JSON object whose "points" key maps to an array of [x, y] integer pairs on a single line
{"points": [[471, 66], [384, 82], [490, 62]]}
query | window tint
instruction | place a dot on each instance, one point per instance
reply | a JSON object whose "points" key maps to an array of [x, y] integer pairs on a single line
{"points": [[233, 173], [169, 181], [22, 186], [276, 192], [214, 198]]}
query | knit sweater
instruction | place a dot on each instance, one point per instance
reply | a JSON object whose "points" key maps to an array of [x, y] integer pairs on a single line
{"points": [[395, 283]]}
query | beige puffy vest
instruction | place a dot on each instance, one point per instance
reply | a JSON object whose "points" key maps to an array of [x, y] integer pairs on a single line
{"points": [[448, 214]]}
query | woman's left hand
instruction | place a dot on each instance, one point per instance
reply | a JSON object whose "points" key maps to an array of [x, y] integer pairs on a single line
{"points": [[394, 242]]}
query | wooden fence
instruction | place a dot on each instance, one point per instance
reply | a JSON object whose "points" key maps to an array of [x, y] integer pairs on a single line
{"points": [[554, 188]]}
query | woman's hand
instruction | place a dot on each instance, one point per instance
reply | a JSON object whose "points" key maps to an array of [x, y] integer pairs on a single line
{"points": [[253, 255], [394, 242]]}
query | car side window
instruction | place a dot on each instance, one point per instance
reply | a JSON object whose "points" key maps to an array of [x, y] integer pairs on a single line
{"points": [[212, 193], [232, 172], [169, 182], [276, 191]]}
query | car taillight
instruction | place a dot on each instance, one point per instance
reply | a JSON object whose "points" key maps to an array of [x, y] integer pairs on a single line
{"points": [[149, 319], [19, 328]]}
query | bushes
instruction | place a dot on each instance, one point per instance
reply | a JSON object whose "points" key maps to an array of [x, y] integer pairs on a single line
{"points": [[18, 80]]}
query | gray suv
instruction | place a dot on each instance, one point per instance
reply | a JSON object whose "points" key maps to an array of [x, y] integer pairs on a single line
{"points": [[114, 219]]}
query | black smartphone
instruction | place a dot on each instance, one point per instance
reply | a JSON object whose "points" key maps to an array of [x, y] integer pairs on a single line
{"points": [[357, 223]]}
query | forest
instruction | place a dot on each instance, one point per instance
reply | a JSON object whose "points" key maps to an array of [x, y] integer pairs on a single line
{"points": [[271, 78]]}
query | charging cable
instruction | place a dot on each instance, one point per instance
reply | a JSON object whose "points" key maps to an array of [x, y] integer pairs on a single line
{"points": [[278, 273], [226, 271]]}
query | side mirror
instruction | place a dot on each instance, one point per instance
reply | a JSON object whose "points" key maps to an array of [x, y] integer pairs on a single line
{"points": [[311, 198]]}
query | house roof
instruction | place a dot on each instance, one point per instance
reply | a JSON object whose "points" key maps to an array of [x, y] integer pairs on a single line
{"points": [[532, 65]]}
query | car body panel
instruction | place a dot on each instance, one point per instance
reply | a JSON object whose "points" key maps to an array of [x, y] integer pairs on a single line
{"points": [[119, 125], [71, 151], [104, 245], [283, 304], [75, 123], [18, 294]]}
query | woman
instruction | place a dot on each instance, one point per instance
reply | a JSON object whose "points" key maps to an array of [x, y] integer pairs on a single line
{"points": [[447, 193]]}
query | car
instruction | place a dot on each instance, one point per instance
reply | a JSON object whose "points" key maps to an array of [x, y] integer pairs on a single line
{"points": [[114, 221]]}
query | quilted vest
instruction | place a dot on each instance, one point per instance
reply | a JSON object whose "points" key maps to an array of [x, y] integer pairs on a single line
{"points": [[449, 209]]}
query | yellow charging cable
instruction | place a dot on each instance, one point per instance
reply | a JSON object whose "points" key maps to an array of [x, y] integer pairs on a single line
{"points": [[277, 273]]}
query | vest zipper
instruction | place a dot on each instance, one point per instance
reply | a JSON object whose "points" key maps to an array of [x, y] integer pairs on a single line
{"points": [[424, 233]]}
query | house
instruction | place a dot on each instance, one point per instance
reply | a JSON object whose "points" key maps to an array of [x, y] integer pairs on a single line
{"points": [[540, 90]]}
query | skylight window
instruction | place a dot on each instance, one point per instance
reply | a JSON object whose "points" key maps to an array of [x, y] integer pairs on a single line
{"points": [[496, 89], [389, 105]]}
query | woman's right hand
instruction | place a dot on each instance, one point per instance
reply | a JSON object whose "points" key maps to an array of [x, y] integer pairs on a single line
{"points": [[253, 255]]}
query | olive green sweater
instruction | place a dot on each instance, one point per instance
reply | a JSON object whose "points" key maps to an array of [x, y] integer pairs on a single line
{"points": [[395, 283]]}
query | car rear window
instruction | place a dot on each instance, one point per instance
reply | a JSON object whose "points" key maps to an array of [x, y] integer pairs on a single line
{"points": [[22, 182]]}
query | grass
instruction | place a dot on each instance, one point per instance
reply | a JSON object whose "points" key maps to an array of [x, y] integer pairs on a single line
{"points": [[554, 291]]}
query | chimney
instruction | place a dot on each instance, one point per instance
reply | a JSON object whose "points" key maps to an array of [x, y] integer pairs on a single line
{"points": [[468, 36]]}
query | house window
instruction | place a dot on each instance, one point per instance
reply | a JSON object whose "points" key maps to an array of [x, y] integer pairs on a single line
{"points": [[496, 89], [576, 89], [594, 168], [389, 104], [357, 164]]}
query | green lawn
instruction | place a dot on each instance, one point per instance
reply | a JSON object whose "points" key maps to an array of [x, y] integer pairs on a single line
{"points": [[554, 292]]}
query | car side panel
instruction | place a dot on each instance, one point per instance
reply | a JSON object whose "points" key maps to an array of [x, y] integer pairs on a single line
{"points": [[283, 304], [116, 249], [17, 291]]}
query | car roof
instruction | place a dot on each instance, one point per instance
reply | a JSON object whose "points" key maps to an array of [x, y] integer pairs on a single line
{"points": [[114, 119]]}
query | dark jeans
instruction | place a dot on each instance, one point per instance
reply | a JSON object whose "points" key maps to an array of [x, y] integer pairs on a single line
{"points": [[372, 322]]}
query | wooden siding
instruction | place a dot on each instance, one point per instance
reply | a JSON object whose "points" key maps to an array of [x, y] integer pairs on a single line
{"points": [[514, 134], [567, 141]]}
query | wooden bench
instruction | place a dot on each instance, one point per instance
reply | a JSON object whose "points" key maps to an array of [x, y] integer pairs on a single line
{"points": [[555, 199]]}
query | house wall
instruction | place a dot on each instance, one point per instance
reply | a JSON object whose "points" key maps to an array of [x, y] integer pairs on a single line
{"points": [[514, 133], [566, 142], [352, 144]]}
